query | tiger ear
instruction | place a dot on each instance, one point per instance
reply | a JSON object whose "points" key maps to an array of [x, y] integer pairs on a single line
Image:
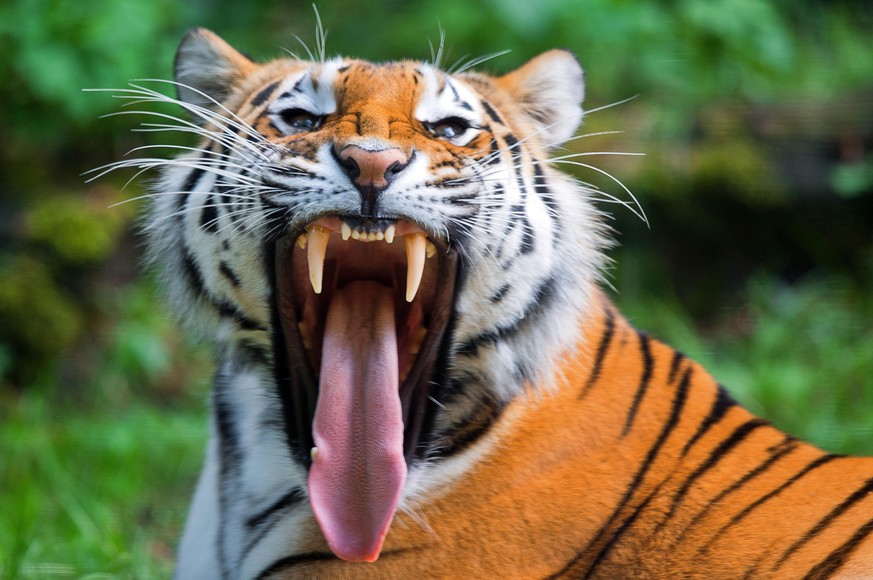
{"points": [[549, 88], [207, 68]]}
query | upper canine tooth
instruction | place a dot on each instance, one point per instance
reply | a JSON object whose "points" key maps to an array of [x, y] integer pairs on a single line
{"points": [[389, 234], [317, 248], [415, 256], [346, 231]]}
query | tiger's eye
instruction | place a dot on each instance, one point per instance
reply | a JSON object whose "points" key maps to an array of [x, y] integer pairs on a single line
{"points": [[448, 128], [301, 120]]}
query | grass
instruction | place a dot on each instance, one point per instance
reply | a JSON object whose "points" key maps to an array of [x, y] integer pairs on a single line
{"points": [[94, 493], [100, 489]]}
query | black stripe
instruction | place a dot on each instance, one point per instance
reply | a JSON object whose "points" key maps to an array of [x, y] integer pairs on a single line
{"points": [[519, 174], [527, 236], [675, 412], [471, 430], [723, 401], [769, 495], [228, 310], [254, 353], [500, 293], [725, 447], [192, 273], [541, 188], [225, 309], [602, 348], [455, 96], [836, 559], [229, 274], [209, 215], [857, 496], [616, 536], [190, 184], [493, 157], [298, 86], [541, 300], [491, 112], [648, 365], [261, 97], [678, 357], [788, 445], [267, 519], [289, 561]]}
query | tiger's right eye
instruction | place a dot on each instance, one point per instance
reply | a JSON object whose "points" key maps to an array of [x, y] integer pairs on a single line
{"points": [[301, 120]]}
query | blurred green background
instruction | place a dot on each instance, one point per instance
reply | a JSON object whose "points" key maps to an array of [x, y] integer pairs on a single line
{"points": [[756, 120]]}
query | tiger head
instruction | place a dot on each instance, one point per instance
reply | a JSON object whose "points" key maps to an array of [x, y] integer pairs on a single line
{"points": [[383, 256]]}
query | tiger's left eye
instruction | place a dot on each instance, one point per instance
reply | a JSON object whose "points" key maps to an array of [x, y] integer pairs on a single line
{"points": [[448, 128], [301, 119]]}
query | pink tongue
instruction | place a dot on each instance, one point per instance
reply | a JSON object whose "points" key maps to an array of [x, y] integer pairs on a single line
{"points": [[358, 474]]}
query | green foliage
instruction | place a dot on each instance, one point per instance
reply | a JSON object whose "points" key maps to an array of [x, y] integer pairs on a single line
{"points": [[798, 355], [40, 320], [77, 231]]}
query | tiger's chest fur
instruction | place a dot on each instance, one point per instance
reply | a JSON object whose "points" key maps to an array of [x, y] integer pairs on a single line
{"points": [[417, 373]]}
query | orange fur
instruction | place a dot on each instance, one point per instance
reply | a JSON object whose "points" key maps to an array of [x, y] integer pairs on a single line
{"points": [[552, 499]]}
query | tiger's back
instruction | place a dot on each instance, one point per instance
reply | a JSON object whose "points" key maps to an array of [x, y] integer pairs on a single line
{"points": [[417, 373]]}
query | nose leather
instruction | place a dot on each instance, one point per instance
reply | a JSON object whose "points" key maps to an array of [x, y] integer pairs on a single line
{"points": [[371, 172]]}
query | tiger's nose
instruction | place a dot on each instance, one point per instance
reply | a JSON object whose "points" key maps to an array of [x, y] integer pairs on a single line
{"points": [[371, 172]]}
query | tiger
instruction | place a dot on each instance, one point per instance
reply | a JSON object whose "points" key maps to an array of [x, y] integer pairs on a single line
{"points": [[419, 371]]}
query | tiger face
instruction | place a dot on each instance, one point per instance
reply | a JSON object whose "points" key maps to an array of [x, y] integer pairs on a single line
{"points": [[384, 259]]}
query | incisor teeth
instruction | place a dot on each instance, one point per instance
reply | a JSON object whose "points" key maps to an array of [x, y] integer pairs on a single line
{"points": [[317, 247], [346, 231], [356, 235], [415, 256], [301, 241], [389, 234]]}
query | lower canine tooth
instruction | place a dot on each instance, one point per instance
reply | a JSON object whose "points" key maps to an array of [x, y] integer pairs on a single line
{"points": [[317, 247], [415, 256]]}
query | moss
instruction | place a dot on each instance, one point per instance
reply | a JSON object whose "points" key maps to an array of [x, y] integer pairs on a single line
{"points": [[79, 231], [37, 319]]}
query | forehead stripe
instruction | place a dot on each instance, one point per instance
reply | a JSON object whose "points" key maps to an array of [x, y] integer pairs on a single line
{"points": [[261, 97]]}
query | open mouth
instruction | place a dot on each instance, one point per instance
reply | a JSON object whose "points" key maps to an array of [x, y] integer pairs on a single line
{"points": [[364, 306]]}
